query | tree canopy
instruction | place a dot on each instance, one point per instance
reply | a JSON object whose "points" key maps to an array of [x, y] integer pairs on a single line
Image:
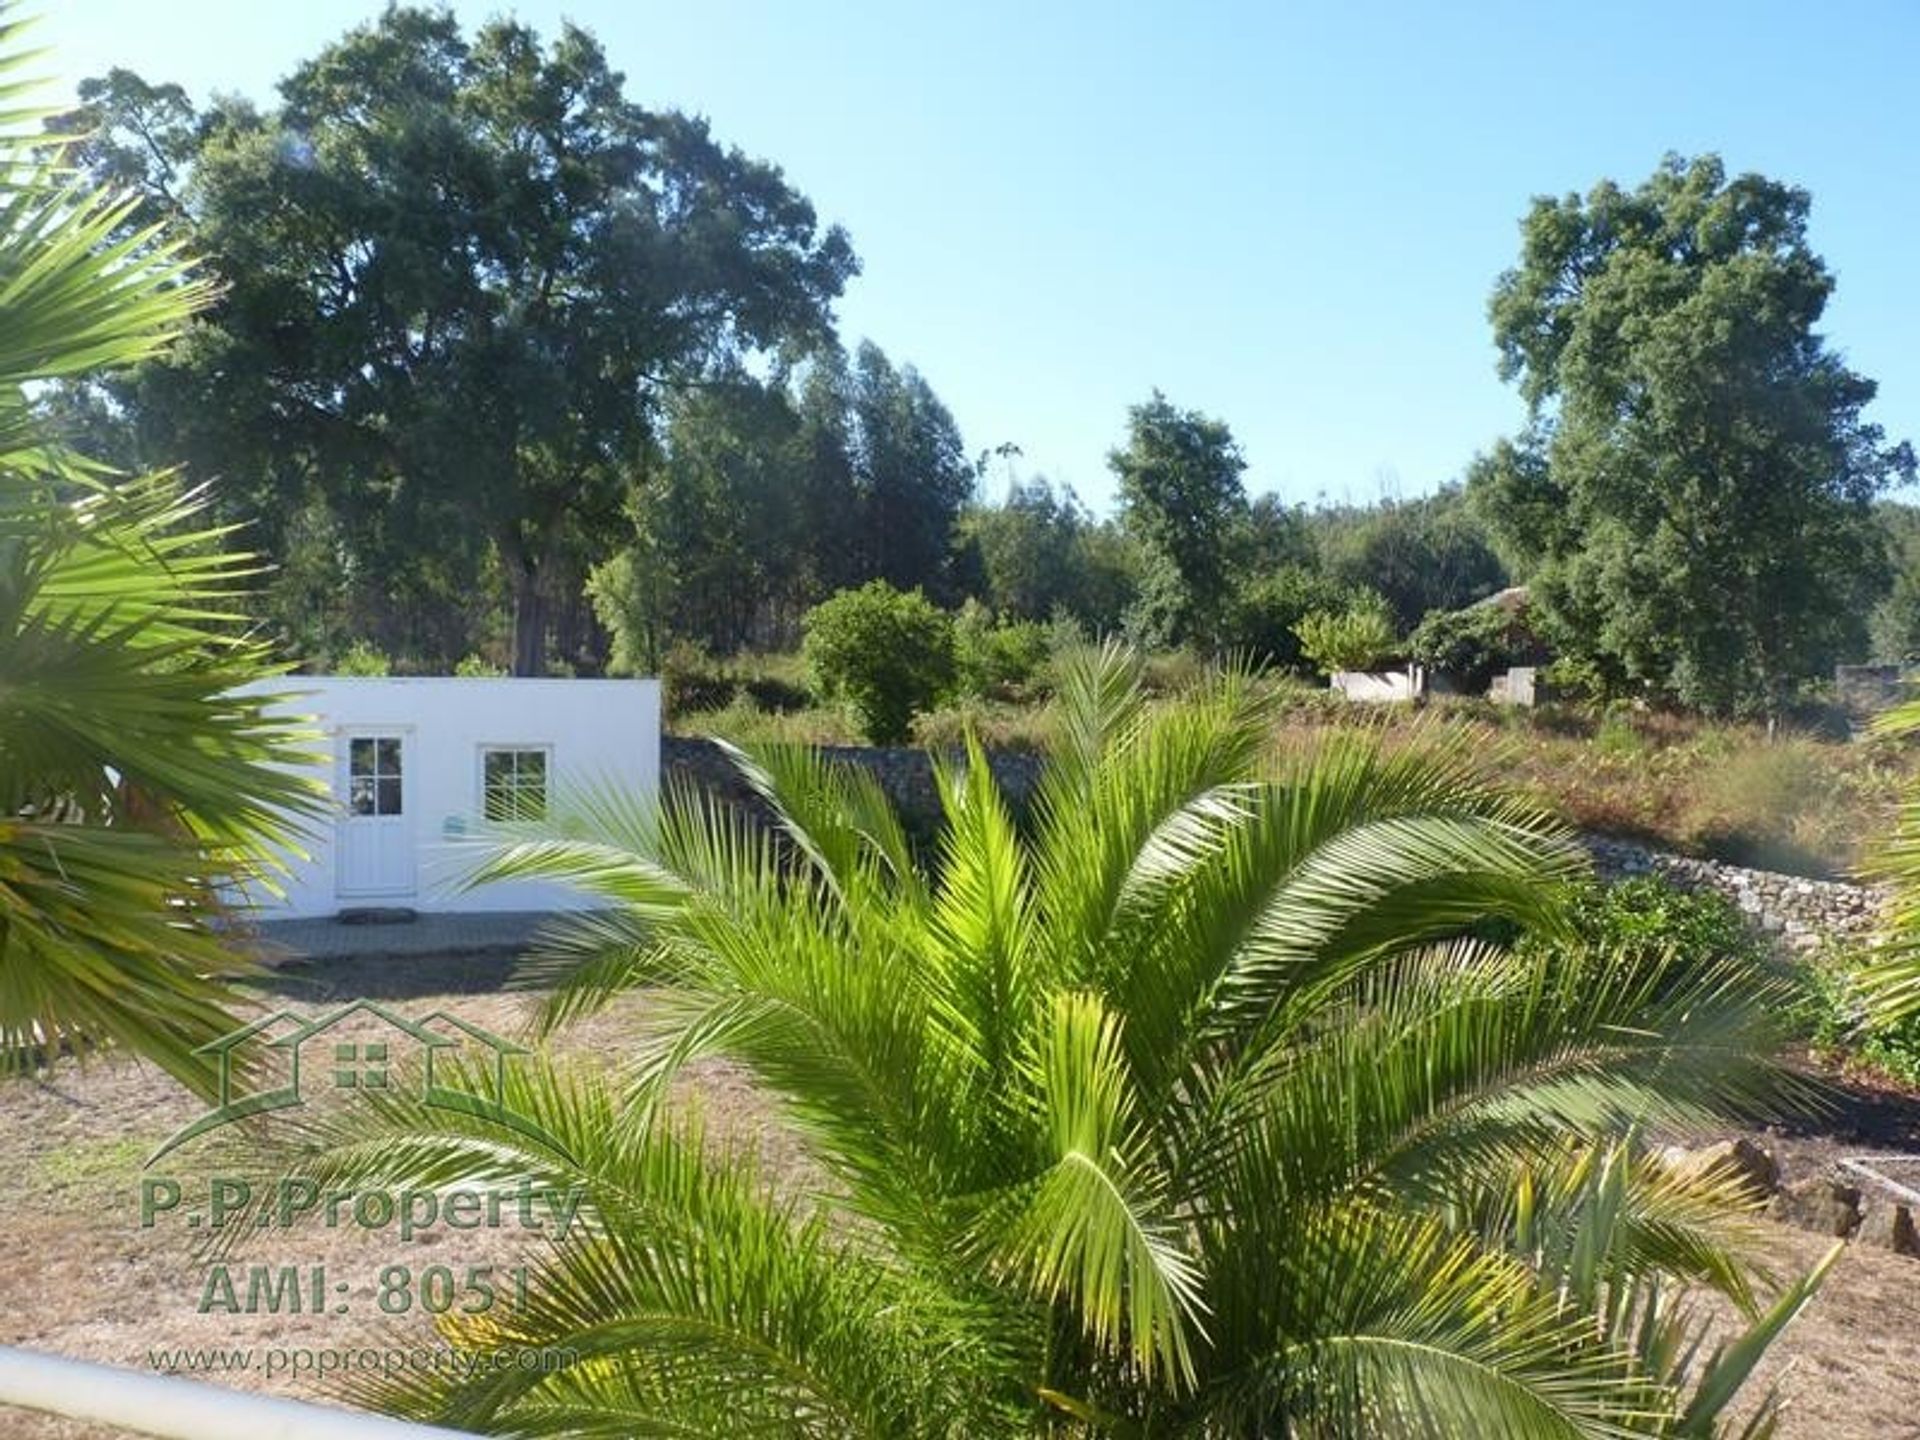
{"points": [[459, 276], [1691, 501], [1181, 496]]}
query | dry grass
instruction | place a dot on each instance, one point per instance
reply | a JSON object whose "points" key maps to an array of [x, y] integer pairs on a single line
{"points": [[79, 1276], [1797, 802]]}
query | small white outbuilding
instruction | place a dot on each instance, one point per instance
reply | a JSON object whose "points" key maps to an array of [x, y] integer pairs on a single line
{"points": [[414, 767]]}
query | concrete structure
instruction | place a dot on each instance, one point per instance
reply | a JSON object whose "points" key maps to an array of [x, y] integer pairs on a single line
{"points": [[415, 769], [1380, 685], [1518, 686]]}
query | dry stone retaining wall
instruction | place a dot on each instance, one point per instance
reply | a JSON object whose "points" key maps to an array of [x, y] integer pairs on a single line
{"points": [[1800, 912], [905, 774], [1796, 910]]}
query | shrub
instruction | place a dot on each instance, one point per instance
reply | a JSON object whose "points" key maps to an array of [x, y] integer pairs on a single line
{"points": [[1471, 644], [1839, 1017], [476, 667], [363, 659], [1646, 917], [993, 657], [885, 654], [1357, 638], [1263, 614]]}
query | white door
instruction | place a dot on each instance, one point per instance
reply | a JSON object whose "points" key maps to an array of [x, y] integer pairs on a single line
{"points": [[373, 851]]}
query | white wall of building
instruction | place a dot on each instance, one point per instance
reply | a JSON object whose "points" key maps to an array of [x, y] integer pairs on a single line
{"points": [[589, 733]]}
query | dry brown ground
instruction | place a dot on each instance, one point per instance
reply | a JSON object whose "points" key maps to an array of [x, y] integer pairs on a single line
{"points": [[79, 1276]]}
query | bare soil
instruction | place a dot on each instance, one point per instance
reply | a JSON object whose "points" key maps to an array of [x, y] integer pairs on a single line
{"points": [[80, 1276]]}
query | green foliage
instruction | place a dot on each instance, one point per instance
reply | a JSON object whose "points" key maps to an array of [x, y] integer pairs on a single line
{"points": [[1190, 1108], [996, 655], [1359, 637], [1264, 612], [884, 653], [136, 785], [561, 244], [1692, 499], [1894, 631], [1181, 497], [478, 667], [1040, 553], [693, 680], [1472, 644], [363, 658], [629, 595], [1647, 917], [1838, 1012], [1420, 555], [1892, 984]]}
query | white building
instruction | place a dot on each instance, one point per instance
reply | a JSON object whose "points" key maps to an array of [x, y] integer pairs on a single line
{"points": [[414, 767]]}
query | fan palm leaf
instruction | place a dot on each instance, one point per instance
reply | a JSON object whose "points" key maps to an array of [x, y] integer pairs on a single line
{"points": [[137, 783]]}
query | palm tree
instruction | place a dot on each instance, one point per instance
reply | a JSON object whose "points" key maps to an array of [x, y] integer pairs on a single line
{"points": [[1204, 1104], [1891, 985], [134, 782]]}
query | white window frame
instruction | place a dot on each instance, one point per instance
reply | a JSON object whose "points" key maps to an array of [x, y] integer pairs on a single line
{"points": [[512, 747]]}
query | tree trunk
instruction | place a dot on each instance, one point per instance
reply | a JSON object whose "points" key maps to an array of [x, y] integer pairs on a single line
{"points": [[529, 623]]}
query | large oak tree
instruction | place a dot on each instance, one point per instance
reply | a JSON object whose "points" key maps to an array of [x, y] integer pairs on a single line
{"points": [[460, 275], [1693, 496]]}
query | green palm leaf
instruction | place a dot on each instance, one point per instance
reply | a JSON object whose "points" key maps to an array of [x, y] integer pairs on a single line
{"points": [[1200, 1105]]}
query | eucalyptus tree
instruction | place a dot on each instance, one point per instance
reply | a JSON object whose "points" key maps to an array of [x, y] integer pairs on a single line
{"points": [[1182, 498], [1208, 1103]]}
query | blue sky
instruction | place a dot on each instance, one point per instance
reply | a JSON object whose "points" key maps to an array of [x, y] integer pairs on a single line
{"points": [[1288, 216]]}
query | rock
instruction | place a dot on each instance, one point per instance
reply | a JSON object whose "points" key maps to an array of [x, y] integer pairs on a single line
{"points": [[1889, 1226], [1738, 1159], [1820, 1204]]}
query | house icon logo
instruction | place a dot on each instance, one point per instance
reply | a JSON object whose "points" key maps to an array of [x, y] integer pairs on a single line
{"points": [[360, 1047]]}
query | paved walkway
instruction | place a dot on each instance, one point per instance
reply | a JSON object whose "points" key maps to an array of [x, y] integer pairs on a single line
{"points": [[466, 933]]}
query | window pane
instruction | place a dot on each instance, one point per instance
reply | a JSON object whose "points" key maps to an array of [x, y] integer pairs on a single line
{"points": [[389, 761], [389, 795], [514, 784], [360, 794], [360, 757]]}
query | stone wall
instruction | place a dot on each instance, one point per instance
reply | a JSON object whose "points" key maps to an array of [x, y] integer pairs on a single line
{"points": [[905, 774], [1796, 910]]}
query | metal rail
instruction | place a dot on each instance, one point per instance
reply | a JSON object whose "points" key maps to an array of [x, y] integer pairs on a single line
{"points": [[172, 1408]]}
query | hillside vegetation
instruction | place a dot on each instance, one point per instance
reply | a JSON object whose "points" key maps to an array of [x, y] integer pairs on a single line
{"points": [[1803, 801]]}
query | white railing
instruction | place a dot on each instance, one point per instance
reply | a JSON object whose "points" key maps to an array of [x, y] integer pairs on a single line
{"points": [[177, 1409]]}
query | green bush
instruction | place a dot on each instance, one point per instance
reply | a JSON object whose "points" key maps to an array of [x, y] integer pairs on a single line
{"points": [[1840, 1023], [883, 653], [992, 656], [363, 659], [1262, 615], [476, 667], [1471, 644], [1646, 917], [1356, 638]]}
